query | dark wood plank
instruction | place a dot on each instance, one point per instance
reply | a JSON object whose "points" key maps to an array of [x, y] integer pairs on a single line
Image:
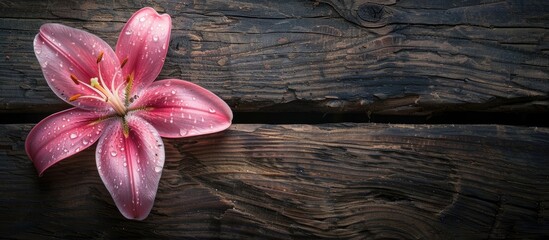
{"points": [[392, 57], [301, 181]]}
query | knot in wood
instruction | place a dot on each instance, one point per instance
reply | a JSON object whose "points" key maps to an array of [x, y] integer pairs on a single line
{"points": [[370, 12]]}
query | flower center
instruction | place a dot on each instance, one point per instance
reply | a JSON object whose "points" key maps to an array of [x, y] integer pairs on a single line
{"points": [[103, 92]]}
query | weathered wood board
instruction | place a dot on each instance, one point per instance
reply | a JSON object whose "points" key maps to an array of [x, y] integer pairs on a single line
{"points": [[384, 56], [351, 181]]}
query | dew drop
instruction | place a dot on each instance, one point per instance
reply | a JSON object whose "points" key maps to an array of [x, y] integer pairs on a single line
{"points": [[183, 132], [173, 91], [155, 38], [85, 142], [73, 135], [128, 32], [142, 19], [157, 169], [65, 150], [194, 99], [60, 64], [125, 164], [38, 51], [167, 83], [211, 110], [113, 153]]}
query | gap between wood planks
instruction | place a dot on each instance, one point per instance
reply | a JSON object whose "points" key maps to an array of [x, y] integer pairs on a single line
{"points": [[466, 117]]}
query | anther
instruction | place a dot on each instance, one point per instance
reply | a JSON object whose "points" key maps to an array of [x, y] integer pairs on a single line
{"points": [[74, 97], [75, 79], [123, 62], [100, 57]]}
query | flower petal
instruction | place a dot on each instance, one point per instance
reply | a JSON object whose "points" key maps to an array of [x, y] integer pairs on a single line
{"points": [[64, 51], [144, 43], [62, 135], [130, 167], [179, 108]]}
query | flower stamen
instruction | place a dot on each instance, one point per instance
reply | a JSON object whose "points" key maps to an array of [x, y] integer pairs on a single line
{"points": [[123, 62], [74, 97], [115, 101], [75, 79], [100, 57], [94, 82]]}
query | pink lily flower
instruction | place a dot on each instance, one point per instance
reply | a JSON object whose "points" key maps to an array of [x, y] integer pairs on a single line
{"points": [[118, 104]]}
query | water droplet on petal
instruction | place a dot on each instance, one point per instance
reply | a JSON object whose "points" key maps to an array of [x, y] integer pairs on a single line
{"points": [[173, 91], [128, 32], [157, 169], [65, 150], [167, 83], [211, 110], [84, 141], [142, 19], [183, 132], [125, 164], [113, 153], [155, 38], [73, 135]]}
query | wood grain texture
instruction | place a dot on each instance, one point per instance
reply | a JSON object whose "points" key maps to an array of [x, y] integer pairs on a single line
{"points": [[388, 57], [352, 181]]}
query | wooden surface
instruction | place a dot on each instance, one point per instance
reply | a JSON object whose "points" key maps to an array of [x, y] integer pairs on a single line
{"points": [[301, 58], [390, 57], [301, 181]]}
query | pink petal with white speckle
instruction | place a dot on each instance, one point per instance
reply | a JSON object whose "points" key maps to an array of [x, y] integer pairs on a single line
{"points": [[178, 108], [63, 51], [62, 135], [144, 43], [131, 166]]}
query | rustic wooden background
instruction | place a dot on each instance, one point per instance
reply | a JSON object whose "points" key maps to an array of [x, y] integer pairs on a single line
{"points": [[306, 181]]}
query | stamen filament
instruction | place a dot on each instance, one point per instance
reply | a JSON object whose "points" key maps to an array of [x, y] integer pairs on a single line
{"points": [[93, 97], [112, 82], [115, 101]]}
